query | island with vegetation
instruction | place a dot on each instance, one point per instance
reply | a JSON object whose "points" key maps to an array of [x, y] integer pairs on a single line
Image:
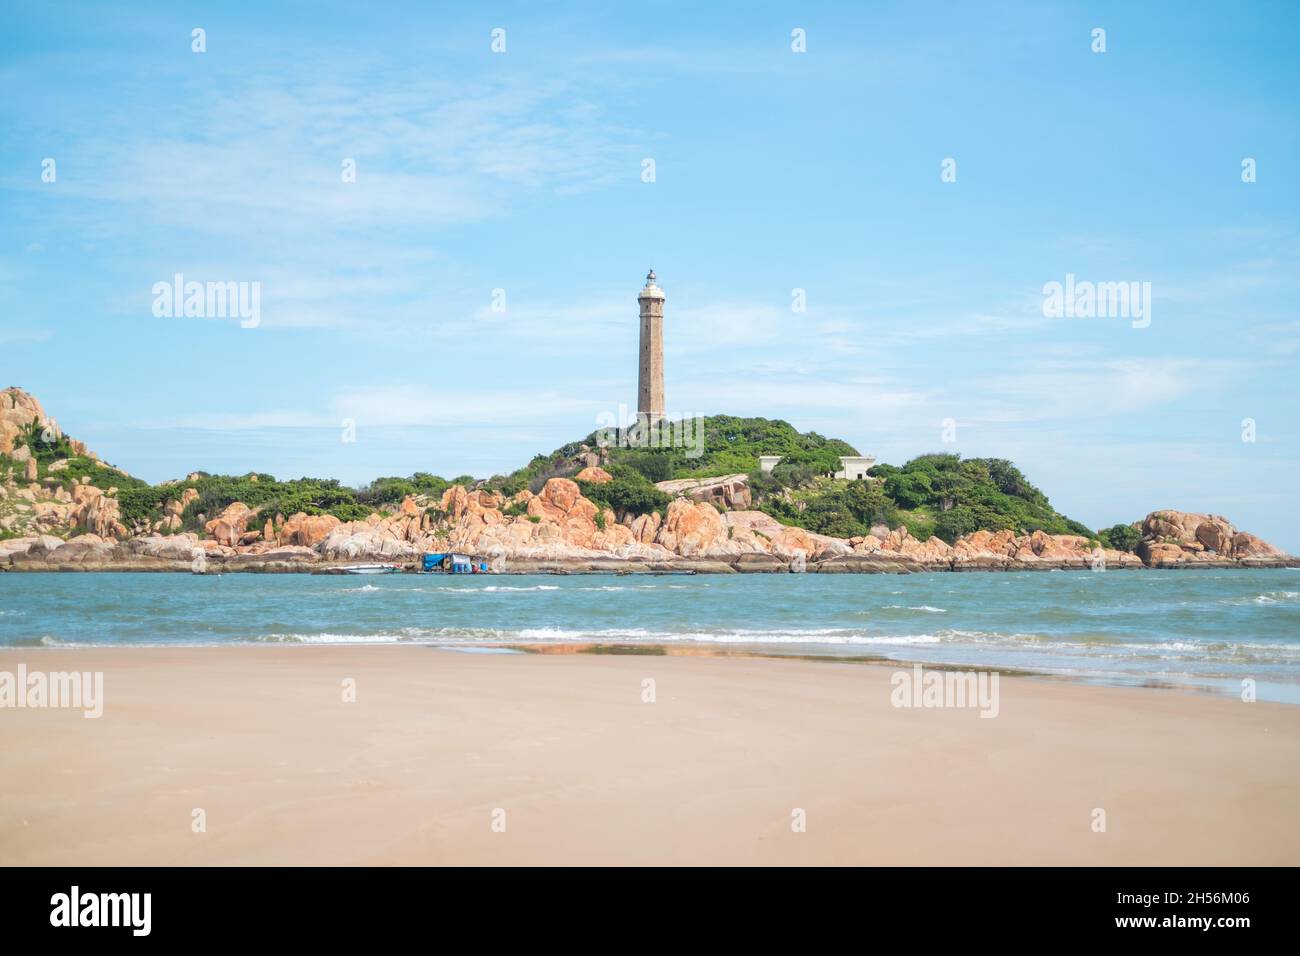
{"points": [[591, 505]]}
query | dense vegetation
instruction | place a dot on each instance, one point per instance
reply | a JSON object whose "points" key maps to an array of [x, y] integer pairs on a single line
{"points": [[141, 502], [728, 445], [936, 494]]}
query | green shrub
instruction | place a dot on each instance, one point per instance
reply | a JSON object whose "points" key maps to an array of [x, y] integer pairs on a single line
{"points": [[1120, 537], [952, 524], [630, 492]]}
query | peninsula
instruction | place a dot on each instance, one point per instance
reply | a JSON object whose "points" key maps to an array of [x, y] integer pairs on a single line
{"points": [[758, 497]]}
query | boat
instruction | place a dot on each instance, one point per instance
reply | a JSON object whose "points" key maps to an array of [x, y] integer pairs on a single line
{"points": [[369, 569]]}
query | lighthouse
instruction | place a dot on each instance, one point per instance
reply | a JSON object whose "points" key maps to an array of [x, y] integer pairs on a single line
{"points": [[650, 381]]}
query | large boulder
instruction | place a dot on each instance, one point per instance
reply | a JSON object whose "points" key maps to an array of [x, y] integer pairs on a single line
{"points": [[691, 528], [1199, 538], [1215, 534], [362, 540], [646, 527], [454, 502], [1245, 545], [306, 531], [96, 511], [171, 547], [728, 491], [561, 502], [1173, 526], [1157, 554], [17, 547], [228, 526], [83, 550], [18, 410], [594, 474]]}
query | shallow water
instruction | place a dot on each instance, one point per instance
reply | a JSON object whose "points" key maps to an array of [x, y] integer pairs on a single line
{"points": [[1200, 628]]}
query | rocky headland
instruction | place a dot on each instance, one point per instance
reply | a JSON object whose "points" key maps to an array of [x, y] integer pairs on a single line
{"points": [[66, 514]]}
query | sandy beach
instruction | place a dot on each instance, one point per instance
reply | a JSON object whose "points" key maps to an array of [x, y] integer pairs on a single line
{"points": [[458, 758]]}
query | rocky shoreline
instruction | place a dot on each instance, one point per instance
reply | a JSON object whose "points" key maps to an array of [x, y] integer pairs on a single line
{"points": [[560, 532], [619, 567], [68, 514]]}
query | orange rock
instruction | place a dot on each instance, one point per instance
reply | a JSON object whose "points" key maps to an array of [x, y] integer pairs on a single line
{"points": [[307, 530], [1157, 554], [18, 409], [594, 474], [1246, 545], [454, 501], [561, 493], [230, 524], [691, 528], [1175, 525], [1216, 534], [645, 527]]}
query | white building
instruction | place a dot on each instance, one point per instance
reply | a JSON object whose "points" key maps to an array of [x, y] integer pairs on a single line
{"points": [[854, 467], [768, 462]]}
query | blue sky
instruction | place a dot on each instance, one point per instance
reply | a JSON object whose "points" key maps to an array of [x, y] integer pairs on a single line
{"points": [[774, 171]]}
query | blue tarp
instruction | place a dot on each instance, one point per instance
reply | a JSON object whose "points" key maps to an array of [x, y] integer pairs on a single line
{"points": [[451, 563]]}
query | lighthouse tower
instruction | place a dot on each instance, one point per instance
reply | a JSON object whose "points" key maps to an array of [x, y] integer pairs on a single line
{"points": [[650, 384]]}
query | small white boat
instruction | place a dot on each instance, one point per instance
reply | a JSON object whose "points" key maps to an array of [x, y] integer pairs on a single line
{"points": [[370, 569]]}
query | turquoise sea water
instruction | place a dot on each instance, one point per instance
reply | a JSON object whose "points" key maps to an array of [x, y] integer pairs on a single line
{"points": [[1199, 628]]}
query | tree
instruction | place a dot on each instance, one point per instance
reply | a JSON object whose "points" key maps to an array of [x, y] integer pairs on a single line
{"points": [[956, 522], [909, 490], [1120, 537], [630, 492]]}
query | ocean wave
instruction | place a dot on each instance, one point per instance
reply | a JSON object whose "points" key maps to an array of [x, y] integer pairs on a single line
{"points": [[987, 648], [371, 587], [919, 607], [1265, 599], [1277, 597], [493, 588], [45, 640], [328, 638]]}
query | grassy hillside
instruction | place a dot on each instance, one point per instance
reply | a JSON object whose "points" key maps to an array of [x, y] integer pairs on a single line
{"points": [[731, 445]]}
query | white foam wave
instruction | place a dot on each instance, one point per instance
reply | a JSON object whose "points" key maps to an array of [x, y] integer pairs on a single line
{"points": [[507, 587]]}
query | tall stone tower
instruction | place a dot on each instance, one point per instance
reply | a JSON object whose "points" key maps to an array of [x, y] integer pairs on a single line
{"points": [[650, 384]]}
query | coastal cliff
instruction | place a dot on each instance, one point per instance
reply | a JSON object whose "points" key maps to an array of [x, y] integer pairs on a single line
{"points": [[62, 508]]}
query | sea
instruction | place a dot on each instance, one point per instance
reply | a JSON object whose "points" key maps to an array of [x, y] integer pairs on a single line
{"points": [[1210, 630]]}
